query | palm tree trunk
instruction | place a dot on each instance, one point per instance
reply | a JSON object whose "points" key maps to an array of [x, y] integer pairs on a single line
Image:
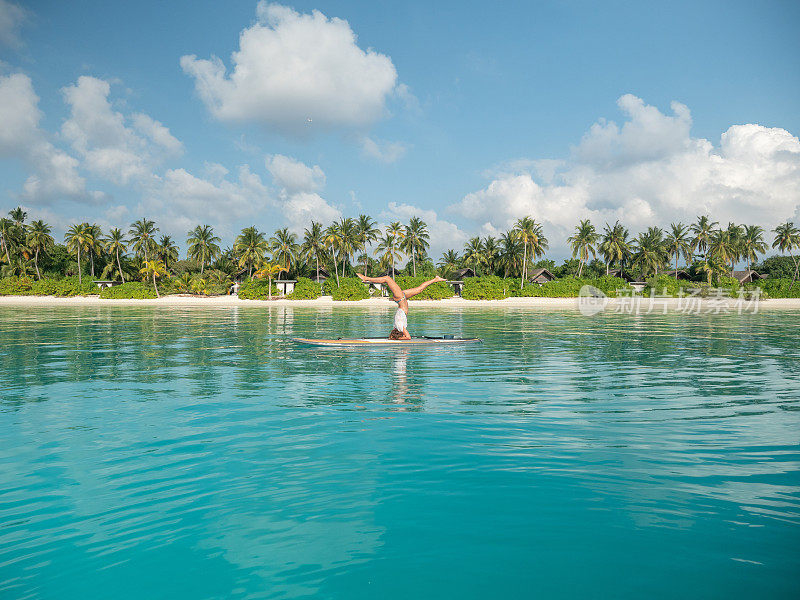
{"points": [[269, 286], [796, 267], [317, 257], [202, 265], [676, 267], [336, 268], [5, 245], [36, 262], [80, 279], [414, 258], [155, 285], [524, 263], [119, 266]]}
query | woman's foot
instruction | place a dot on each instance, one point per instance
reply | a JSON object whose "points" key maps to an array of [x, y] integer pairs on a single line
{"points": [[439, 278], [362, 277]]}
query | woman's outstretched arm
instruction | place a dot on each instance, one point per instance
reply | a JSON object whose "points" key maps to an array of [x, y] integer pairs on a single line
{"points": [[416, 290]]}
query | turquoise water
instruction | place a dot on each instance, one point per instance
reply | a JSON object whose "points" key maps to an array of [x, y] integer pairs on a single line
{"points": [[196, 453]]}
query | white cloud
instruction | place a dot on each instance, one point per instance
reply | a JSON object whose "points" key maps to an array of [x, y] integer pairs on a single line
{"points": [[12, 16], [297, 73], [293, 175], [303, 207], [182, 200], [443, 234], [54, 172], [649, 171], [385, 152], [109, 148]]}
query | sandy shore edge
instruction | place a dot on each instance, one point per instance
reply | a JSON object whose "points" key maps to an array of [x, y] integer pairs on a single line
{"points": [[327, 301]]}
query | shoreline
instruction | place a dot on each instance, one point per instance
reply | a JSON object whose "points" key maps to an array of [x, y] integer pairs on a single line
{"points": [[326, 301]]}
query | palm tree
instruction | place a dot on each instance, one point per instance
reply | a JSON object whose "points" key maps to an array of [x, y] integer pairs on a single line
{"points": [[143, 237], [416, 239], [153, 269], [116, 243], [167, 250], [491, 252], [75, 239], [349, 240], [398, 234], [510, 252], [251, 246], [203, 245], [474, 255], [18, 215], [387, 249], [449, 262], [723, 247], [333, 241], [269, 270], [752, 244], [530, 233], [678, 243], [651, 253], [787, 238], [314, 244], [368, 233], [614, 245], [39, 239], [702, 234], [583, 243], [735, 234], [5, 235], [284, 247]]}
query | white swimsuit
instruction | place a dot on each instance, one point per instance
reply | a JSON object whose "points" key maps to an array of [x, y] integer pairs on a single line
{"points": [[400, 320]]}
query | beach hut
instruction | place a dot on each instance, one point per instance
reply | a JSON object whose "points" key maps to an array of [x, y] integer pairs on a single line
{"points": [[682, 275], [323, 275], [621, 274], [746, 276], [457, 280], [462, 273], [285, 286], [103, 284], [540, 276]]}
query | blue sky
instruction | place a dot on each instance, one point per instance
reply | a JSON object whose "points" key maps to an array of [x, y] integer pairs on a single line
{"points": [[468, 114]]}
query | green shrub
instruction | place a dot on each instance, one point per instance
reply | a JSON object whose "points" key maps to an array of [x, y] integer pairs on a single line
{"points": [[135, 290], [64, 287], [350, 288], [484, 288], [305, 289], [257, 289], [436, 291], [667, 285], [778, 288], [15, 286]]}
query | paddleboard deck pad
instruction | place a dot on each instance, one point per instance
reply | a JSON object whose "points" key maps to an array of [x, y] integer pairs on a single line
{"points": [[376, 341]]}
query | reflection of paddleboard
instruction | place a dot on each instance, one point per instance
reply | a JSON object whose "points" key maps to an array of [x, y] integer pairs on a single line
{"points": [[363, 342]]}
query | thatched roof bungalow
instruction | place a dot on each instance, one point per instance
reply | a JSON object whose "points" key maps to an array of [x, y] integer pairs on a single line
{"points": [[682, 275], [459, 274], [540, 276], [746, 276]]}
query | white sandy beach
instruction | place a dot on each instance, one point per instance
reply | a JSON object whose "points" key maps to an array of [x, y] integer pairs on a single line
{"points": [[645, 304]]}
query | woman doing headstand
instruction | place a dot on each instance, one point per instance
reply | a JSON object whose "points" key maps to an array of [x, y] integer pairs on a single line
{"points": [[400, 331]]}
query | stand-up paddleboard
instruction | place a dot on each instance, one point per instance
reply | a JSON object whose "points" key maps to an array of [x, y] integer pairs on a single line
{"points": [[382, 341]]}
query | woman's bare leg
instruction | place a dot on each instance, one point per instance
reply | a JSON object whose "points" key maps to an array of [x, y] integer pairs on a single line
{"points": [[387, 281], [416, 290]]}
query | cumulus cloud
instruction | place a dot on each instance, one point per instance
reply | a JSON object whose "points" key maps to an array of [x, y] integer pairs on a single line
{"points": [[12, 16], [293, 175], [444, 234], [648, 171], [181, 199], [297, 73], [385, 152], [302, 208], [54, 172], [109, 147]]}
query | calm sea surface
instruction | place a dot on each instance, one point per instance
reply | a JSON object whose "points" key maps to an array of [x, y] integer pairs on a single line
{"points": [[198, 453]]}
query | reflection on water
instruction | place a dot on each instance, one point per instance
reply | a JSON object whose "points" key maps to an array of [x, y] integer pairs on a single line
{"points": [[600, 454]]}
